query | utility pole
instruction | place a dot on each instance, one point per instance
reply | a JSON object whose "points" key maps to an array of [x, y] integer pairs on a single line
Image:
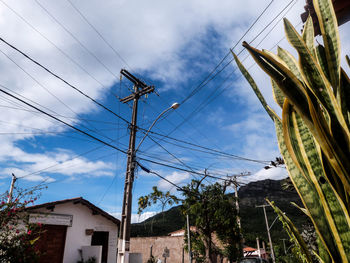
{"points": [[235, 183], [237, 204], [189, 239], [258, 246], [140, 89], [268, 232], [14, 178]]}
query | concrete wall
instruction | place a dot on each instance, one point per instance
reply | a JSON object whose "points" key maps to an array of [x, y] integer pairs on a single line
{"points": [[173, 243], [76, 236]]}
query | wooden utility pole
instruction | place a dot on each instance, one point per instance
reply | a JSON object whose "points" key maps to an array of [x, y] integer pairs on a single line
{"points": [[258, 246], [189, 239], [140, 89], [14, 178], [268, 232], [237, 203]]}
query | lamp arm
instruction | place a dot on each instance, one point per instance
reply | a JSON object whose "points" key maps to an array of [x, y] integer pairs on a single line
{"points": [[154, 122]]}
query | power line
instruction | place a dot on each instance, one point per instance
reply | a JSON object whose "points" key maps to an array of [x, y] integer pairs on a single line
{"points": [[205, 82], [41, 85], [63, 80], [59, 120], [217, 73], [181, 169], [52, 43], [99, 34], [76, 39], [74, 87]]}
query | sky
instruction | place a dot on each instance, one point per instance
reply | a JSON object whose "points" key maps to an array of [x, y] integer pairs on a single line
{"points": [[173, 45]]}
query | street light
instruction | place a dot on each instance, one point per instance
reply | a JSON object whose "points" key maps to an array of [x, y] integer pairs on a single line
{"points": [[174, 106], [124, 237]]}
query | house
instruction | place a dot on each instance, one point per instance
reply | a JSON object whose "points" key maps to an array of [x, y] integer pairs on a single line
{"points": [[74, 229]]}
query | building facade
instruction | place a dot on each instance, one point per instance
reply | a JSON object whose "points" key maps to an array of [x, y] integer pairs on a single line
{"points": [[75, 229]]}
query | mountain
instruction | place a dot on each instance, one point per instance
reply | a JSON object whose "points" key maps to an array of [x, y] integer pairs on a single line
{"points": [[252, 218]]}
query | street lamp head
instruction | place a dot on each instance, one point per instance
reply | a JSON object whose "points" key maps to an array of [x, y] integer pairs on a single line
{"points": [[175, 105]]}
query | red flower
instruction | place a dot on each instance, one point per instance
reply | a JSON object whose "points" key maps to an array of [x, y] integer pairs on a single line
{"points": [[29, 232]]}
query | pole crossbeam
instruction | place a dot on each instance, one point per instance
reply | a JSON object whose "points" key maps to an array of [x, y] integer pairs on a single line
{"points": [[140, 89]]}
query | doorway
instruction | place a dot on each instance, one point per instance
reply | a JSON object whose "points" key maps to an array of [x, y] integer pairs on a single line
{"points": [[100, 238]]}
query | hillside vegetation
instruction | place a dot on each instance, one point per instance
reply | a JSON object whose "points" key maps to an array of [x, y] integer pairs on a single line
{"points": [[252, 218]]}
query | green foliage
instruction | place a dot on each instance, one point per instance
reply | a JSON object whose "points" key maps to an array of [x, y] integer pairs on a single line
{"points": [[154, 197], [313, 133], [212, 212], [17, 236]]}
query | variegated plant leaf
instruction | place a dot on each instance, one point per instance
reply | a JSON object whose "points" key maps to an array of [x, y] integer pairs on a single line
{"points": [[305, 211], [255, 88], [293, 234], [308, 35], [312, 72], [344, 94], [277, 94], [302, 143], [304, 188], [290, 61], [290, 85], [329, 29], [322, 60], [317, 214]]}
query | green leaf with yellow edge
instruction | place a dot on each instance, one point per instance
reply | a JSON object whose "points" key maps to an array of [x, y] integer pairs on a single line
{"points": [[305, 211], [290, 61], [334, 151], [252, 83], [305, 189], [312, 73], [344, 92], [277, 94], [308, 35], [334, 208], [322, 60], [290, 85], [293, 234], [329, 30]]}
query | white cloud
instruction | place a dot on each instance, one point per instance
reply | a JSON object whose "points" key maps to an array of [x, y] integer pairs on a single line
{"points": [[136, 218], [63, 162], [275, 173], [175, 177]]}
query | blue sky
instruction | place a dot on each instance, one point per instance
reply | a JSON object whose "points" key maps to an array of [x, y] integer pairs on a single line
{"points": [[172, 45]]}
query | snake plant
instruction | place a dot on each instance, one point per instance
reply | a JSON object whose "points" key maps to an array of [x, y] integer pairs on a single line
{"points": [[314, 130]]}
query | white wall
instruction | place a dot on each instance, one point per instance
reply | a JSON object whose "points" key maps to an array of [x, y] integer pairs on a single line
{"points": [[76, 237]]}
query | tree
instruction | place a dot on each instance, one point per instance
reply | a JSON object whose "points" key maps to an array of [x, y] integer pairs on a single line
{"points": [[17, 236], [214, 214]]}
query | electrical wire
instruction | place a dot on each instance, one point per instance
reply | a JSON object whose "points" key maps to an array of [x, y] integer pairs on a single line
{"points": [[99, 34], [75, 88], [63, 80], [59, 120], [189, 116], [52, 43], [205, 82], [76, 39]]}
